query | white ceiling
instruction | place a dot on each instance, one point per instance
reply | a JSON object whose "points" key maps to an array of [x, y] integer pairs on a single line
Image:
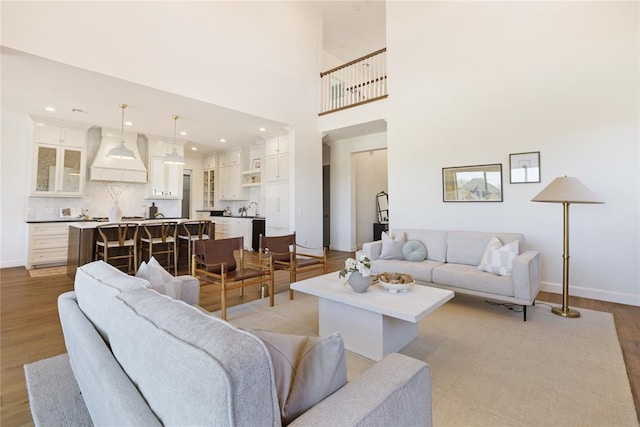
{"points": [[29, 84]]}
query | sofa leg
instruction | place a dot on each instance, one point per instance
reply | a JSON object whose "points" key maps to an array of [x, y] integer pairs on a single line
{"points": [[524, 312]]}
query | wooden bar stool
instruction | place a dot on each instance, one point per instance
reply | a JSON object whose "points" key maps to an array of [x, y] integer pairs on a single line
{"points": [[192, 231], [118, 242], [160, 238]]}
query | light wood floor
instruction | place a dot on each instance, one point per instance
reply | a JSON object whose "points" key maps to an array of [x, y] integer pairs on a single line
{"points": [[30, 329]]}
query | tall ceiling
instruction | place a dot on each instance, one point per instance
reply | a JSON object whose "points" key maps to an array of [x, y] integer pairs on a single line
{"points": [[30, 84]]}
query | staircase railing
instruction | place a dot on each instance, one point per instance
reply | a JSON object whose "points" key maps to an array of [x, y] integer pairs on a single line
{"points": [[355, 83]]}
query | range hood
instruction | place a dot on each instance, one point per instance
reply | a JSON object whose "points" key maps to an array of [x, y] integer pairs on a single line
{"points": [[105, 168]]}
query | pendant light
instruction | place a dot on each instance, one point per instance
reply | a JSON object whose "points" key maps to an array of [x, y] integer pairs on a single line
{"points": [[121, 151], [173, 158]]}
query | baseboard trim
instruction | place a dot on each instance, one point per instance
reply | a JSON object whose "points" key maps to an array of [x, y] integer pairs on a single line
{"points": [[596, 294], [12, 263]]}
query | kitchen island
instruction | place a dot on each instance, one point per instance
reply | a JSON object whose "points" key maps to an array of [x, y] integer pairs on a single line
{"points": [[83, 236], [82, 241]]}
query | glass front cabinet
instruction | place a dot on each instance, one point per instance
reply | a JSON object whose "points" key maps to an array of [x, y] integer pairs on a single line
{"points": [[209, 188], [59, 171], [58, 159]]}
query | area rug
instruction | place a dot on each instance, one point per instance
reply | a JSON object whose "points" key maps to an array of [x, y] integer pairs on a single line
{"points": [[489, 368], [48, 271], [54, 396]]}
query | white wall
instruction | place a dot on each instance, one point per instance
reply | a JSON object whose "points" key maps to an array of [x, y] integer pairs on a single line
{"points": [[257, 57], [15, 161], [343, 183], [471, 82]]}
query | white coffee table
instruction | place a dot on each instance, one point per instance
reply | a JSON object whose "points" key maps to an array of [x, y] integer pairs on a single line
{"points": [[374, 323]]}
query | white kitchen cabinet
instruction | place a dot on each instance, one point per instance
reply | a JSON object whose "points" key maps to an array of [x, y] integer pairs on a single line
{"points": [[209, 162], [48, 244], [235, 227], [276, 177], [165, 181], [230, 176], [58, 171], [276, 145], [46, 133], [58, 165], [277, 208]]}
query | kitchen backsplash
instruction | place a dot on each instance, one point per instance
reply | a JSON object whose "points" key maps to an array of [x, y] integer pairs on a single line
{"points": [[97, 203]]}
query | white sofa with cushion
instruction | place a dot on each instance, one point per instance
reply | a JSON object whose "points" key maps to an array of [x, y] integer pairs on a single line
{"points": [[452, 260], [143, 358]]}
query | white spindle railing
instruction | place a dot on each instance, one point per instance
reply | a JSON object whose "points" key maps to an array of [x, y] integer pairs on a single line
{"points": [[357, 82]]}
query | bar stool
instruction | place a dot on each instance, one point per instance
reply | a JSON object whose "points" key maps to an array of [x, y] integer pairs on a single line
{"points": [[118, 242], [160, 238], [192, 231]]}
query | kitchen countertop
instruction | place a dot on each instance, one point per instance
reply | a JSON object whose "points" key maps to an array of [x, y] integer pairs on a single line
{"points": [[37, 221]]}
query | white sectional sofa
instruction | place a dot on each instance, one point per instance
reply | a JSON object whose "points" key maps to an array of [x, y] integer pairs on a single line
{"points": [[141, 358], [452, 261]]}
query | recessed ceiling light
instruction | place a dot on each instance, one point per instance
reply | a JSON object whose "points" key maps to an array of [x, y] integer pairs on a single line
{"points": [[223, 140], [50, 109], [128, 123], [183, 133], [194, 148], [262, 129]]}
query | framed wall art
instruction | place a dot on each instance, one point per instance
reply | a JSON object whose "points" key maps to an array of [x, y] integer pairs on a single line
{"points": [[524, 167], [256, 163], [481, 183]]}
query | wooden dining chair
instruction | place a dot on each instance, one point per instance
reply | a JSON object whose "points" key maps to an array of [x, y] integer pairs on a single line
{"points": [[118, 241], [191, 231], [285, 256], [221, 263], [159, 239]]}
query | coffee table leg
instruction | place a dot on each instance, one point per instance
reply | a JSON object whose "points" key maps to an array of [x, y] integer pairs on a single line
{"points": [[370, 334]]}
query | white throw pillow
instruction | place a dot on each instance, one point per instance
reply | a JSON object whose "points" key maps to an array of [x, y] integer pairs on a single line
{"points": [[392, 246], [498, 258], [306, 369], [160, 279]]}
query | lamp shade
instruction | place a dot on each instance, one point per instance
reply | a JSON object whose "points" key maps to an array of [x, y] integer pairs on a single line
{"points": [[173, 158], [566, 189], [120, 151]]}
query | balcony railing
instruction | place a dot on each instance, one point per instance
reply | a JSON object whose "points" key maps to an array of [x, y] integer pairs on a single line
{"points": [[355, 83]]}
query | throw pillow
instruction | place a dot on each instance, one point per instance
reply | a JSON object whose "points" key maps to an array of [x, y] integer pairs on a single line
{"points": [[159, 279], [306, 369], [498, 258], [414, 251], [392, 246]]}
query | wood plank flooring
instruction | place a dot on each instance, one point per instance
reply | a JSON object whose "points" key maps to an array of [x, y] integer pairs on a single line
{"points": [[30, 328]]}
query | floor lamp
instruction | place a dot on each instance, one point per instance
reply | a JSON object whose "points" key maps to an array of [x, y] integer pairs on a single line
{"points": [[566, 190]]}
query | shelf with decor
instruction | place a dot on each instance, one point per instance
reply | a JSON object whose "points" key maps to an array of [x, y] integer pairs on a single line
{"points": [[251, 178]]}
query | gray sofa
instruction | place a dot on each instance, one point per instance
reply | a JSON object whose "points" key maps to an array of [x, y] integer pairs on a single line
{"points": [[147, 359], [452, 261]]}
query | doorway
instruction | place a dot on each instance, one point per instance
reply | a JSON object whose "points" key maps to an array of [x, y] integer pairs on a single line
{"points": [[186, 194]]}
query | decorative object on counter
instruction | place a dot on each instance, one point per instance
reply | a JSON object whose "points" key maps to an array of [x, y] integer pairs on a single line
{"points": [[115, 213], [396, 282], [173, 158], [566, 190], [114, 190], [360, 278], [121, 151], [153, 210]]}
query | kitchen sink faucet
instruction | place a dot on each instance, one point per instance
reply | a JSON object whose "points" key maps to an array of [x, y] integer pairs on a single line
{"points": [[249, 207]]}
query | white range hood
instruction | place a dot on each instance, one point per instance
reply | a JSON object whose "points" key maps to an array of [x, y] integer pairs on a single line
{"points": [[105, 168]]}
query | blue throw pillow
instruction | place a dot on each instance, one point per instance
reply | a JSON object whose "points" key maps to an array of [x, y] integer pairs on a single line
{"points": [[414, 251]]}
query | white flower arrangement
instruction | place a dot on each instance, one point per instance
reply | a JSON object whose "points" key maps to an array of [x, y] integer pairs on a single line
{"points": [[363, 265], [115, 189]]}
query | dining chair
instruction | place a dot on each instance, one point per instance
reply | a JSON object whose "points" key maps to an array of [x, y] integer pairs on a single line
{"points": [[118, 241], [159, 240], [191, 231], [285, 256], [221, 262]]}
